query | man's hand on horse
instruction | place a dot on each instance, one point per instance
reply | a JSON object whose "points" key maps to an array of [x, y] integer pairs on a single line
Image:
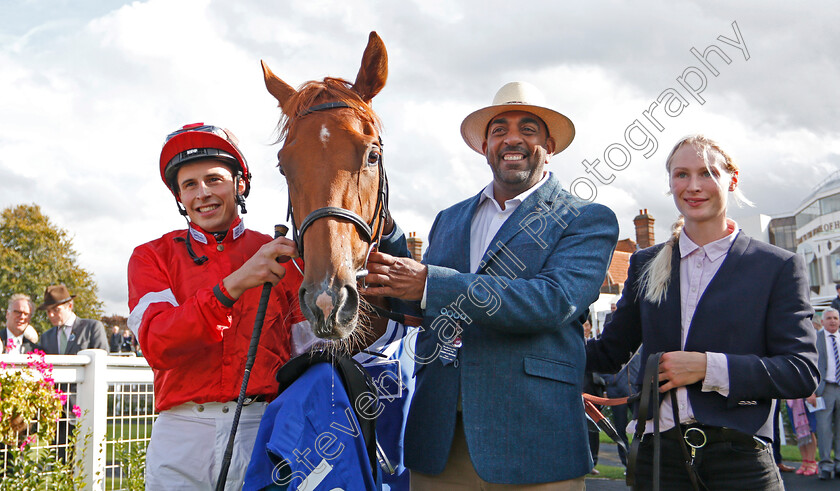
{"points": [[262, 268], [681, 368], [395, 277]]}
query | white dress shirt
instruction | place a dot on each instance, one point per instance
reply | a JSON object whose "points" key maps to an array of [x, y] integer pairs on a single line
{"points": [[16, 340], [830, 365], [488, 219]]}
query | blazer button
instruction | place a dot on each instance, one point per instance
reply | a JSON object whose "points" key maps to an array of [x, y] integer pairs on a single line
{"points": [[225, 409], [200, 408], [220, 247]]}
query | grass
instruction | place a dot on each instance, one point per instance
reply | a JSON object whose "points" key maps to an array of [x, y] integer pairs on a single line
{"points": [[609, 472], [603, 438], [128, 430], [118, 432]]}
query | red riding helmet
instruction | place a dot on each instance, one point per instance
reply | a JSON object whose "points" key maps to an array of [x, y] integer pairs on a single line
{"points": [[200, 141]]}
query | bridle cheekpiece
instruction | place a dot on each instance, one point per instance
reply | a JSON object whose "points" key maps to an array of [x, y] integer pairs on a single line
{"points": [[365, 228]]}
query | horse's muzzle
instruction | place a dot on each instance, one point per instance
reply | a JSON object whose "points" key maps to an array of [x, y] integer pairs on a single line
{"points": [[331, 311]]}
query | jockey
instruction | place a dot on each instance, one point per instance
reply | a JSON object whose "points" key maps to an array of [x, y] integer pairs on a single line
{"points": [[193, 305]]}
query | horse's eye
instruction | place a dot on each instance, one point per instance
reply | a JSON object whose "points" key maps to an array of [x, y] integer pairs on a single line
{"points": [[280, 167], [373, 156]]}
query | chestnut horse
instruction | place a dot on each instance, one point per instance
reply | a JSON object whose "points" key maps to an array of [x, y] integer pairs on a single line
{"points": [[332, 160]]}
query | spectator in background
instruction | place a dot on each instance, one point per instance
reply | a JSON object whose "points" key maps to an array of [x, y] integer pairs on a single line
{"points": [[70, 334], [24, 337], [804, 423], [828, 419], [835, 304], [777, 442], [128, 343], [618, 385], [609, 315], [115, 339]]}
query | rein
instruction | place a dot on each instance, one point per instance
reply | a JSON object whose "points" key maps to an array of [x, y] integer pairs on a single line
{"points": [[649, 401]]}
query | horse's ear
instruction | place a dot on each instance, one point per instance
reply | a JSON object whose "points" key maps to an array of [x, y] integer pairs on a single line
{"points": [[374, 69], [276, 87]]}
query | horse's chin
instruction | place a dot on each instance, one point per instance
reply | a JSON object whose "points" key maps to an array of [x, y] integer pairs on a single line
{"points": [[332, 330]]}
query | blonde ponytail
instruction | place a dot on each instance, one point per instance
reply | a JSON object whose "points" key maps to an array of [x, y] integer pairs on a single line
{"points": [[656, 274]]}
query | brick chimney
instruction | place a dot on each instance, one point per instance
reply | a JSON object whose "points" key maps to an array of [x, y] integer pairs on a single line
{"points": [[644, 229], [415, 246]]}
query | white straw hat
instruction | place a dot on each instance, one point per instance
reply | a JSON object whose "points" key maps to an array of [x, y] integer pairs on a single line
{"points": [[518, 96]]}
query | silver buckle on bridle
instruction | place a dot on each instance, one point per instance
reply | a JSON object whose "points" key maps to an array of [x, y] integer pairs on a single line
{"points": [[361, 274]]}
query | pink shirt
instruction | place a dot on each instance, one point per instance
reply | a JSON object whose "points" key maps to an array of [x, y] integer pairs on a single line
{"points": [[698, 265]]}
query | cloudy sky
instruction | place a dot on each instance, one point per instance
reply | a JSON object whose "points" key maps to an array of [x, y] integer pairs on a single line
{"points": [[89, 89]]}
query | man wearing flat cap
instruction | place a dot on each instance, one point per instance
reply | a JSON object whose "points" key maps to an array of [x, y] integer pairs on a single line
{"points": [[506, 279], [70, 334]]}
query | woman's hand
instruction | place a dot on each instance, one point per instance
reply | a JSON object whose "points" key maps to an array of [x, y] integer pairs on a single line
{"points": [[681, 368]]}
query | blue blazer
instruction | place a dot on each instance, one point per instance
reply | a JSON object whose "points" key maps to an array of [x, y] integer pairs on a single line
{"points": [[755, 311], [520, 370]]}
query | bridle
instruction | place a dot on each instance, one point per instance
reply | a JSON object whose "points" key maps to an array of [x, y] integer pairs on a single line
{"points": [[372, 236], [366, 229]]}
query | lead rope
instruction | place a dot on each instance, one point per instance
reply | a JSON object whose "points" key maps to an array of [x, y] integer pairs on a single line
{"points": [[649, 401]]}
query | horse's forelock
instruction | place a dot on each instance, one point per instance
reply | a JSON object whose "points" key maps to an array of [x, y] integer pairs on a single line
{"points": [[329, 89]]}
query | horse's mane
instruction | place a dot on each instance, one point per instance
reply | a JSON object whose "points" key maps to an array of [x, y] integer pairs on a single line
{"points": [[327, 90]]}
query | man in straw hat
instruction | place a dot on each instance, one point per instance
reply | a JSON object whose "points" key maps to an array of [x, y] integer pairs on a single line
{"points": [[70, 334], [508, 276]]}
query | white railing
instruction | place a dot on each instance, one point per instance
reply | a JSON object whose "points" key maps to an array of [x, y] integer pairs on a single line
{"points": [[116, 397]]}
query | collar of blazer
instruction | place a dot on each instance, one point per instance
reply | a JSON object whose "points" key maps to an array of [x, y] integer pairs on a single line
{"points": [[548, 205]]}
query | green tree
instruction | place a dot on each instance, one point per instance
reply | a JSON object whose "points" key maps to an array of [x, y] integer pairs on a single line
{"points": [[35, 253]]}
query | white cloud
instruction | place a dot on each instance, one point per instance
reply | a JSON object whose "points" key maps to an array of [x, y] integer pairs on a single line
{"points": [[89, 89]]}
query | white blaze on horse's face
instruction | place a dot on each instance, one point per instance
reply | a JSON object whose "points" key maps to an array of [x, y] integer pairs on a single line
{"points": [[330, 156], [325, 135]]}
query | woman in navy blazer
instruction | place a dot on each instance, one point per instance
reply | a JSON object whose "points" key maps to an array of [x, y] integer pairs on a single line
{"points": [[733, 319]]}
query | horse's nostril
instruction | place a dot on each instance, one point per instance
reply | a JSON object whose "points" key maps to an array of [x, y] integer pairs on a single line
{"points": [[347, 310], [308, 309]]}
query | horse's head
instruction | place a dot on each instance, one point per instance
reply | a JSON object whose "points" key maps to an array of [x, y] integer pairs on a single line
{"points": [[331, 158]]}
